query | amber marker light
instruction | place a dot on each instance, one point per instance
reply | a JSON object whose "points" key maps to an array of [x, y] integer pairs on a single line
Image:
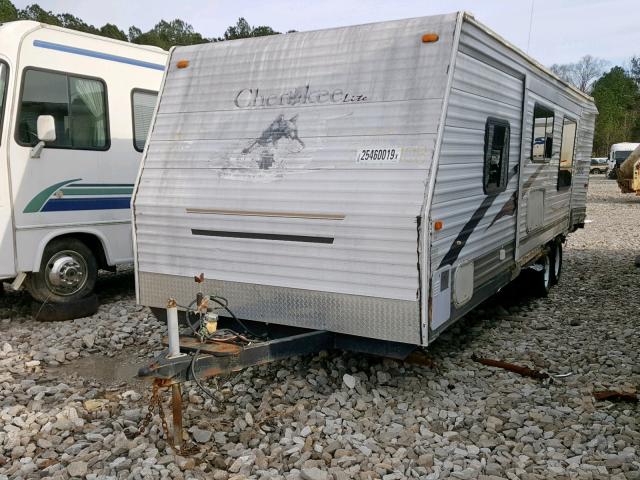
{"points": [[182, 63], [430, 37], [437, 225]]}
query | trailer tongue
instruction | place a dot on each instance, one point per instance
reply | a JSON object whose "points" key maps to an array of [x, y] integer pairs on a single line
{"points": [[219, 346]]}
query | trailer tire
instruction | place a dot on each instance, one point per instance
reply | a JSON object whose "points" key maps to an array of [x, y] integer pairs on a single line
{"points": [[556, 262], [57, 312], [67, 273], [541, 277]]}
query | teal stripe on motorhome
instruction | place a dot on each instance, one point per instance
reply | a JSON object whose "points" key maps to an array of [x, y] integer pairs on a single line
{"points": [[37, 202], [70, 188], [94, 54]]}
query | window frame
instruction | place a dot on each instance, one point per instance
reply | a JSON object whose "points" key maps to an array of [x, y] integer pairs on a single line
{"points": [[3, 104], [504, 176], [133, 116], [545, 159], [107, 145], [573, 152]]}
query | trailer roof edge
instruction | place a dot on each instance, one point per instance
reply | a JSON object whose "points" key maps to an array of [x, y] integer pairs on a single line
{"points": [[469, 17]]}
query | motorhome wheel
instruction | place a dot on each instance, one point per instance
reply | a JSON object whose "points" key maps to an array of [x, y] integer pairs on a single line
{"points": [[67, 273]]}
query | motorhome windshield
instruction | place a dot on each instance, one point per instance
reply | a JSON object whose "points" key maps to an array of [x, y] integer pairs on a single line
{"points": [[621, 155], [4, 70]]}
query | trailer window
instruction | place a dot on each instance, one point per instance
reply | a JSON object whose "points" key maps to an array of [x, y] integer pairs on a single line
{"points": [[142, 104], [4, 75], [567, 148], [77, 104], [496, 155], [542, 142]]}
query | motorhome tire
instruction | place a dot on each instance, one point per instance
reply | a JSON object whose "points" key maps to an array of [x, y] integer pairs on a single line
{"points": [[68, 272], [541, 277], [56, 312], [556, 262]]}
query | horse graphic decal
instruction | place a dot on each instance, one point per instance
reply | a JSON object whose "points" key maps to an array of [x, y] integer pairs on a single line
{"points": [[280, 128]]}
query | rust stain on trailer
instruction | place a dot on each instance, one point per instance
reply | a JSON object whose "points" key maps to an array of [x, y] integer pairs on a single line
{"points": [[218, 349]]}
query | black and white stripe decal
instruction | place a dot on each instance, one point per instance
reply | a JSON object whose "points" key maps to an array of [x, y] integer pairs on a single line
{"points": [[509, 208]]}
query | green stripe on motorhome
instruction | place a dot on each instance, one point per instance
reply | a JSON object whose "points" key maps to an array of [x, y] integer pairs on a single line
{"points": [[89, 196], [37, 202]]}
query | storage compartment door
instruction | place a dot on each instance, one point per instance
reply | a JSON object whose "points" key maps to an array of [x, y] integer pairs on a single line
{"points": [[441, 297], [535, 210]]}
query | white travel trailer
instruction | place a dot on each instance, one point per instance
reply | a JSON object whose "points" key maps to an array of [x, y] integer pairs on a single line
{"points": [[375, 181], [74, 114]]}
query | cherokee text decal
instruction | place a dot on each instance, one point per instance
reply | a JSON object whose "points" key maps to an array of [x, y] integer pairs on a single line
{"points": [[256, 98]]}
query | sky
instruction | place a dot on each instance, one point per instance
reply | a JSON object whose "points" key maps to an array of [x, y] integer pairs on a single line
{"points": [[562, 31]]}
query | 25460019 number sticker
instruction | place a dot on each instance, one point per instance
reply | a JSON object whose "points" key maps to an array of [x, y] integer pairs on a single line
{"points": [[379, 155]]}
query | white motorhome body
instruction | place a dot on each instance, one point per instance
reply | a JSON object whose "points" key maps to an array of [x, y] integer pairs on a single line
{"points": [[618, 153], [98, 96], [374, 180]]}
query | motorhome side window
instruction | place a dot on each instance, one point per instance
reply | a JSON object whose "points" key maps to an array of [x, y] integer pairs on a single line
{"points": [[4, 74], [496, 155], [142, 103], [567, 148], [542, 144], [78, 106]]}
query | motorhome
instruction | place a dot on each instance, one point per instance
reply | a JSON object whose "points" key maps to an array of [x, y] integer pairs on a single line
{"points": [[74, 114], [375, 181], [617, 155]]}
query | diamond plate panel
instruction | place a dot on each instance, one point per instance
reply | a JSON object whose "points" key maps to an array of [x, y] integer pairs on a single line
{"points": [[372, 317]]}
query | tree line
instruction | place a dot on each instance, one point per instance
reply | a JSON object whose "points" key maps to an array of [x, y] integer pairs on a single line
{"points": [[164, 34], [616, 91]]}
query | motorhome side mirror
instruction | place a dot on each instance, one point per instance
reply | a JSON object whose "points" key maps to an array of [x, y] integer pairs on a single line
{"points": [[46, 128], [46, 132]]}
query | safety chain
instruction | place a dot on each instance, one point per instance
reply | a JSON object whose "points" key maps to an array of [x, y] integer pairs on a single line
{"points": [[155, 402]]}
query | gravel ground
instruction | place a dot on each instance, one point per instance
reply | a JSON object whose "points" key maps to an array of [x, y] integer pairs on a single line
{"points": [[67, 392]]}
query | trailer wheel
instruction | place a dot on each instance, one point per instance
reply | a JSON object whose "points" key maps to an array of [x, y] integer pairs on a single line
{"points": [[541, 274], [556, 271], [68, 272]]}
